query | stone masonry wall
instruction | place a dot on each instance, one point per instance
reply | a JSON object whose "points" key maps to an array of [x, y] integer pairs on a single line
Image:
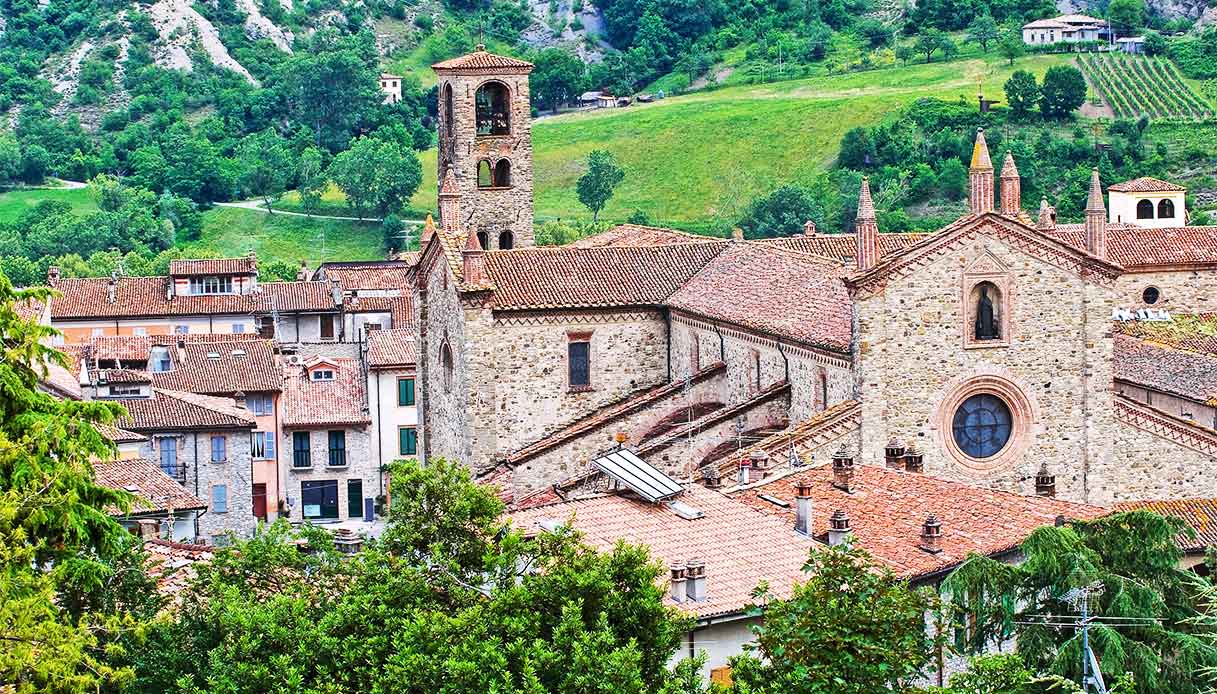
{"points": [[194, 453], [361, 464], [911, 357], [491, 210], [442, 400], [1148, 466], [739, 349], [1188, 291]]}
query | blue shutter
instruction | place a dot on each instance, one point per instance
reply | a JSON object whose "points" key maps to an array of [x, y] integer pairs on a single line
{"points": [[219, 498]]}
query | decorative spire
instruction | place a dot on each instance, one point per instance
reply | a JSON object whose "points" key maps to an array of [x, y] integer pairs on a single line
{"points": [[449, 204], [473, 259], [1096, 218], [428, 232], [866, 229], [473, 244], [1045, 221], [1011, 187], [980, 177]]}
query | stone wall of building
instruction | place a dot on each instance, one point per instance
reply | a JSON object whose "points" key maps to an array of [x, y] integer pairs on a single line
{"points": [[1183, 291], [1200, 413], [442, 392], [361, 464], [697, 342], [1155, 456], [1055, 371], [202, 475], [529, 359], [492, 210]]}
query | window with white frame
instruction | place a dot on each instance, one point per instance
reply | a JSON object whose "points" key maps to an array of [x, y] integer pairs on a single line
{"points": [[322, 374], [211, 285], [159, 360], [260, 403], [262, 445]]}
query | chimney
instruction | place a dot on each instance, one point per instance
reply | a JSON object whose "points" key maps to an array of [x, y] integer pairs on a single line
{"points": [[1011, 187], [893, 454], [913, 460], [450, 204], [695, 584], [113, 288], [809, 228], [802, 507], [866, 229], [839, 530], [474, 259], [737, 234], [760, 463], [52, 275], [149, 528], [1045, 482], [1047, 217], [678, 583], [843, 471], [1096, 218], [980, 176], [239, 398], [713, 478], [931, 535], [745, 470], [303, 273]]}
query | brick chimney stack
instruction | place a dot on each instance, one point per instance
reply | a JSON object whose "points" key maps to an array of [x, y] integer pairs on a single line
{"points": [[843, 471], [450, 204], [302, 273], [678, 591], [809, 228], [866, 228], [931, 535], [914, 461], [695, 575], [1096, 218], [893, 454], [52, 275], [980, 176], [802, 507], [760, 464], [714, 479], [1011, 188], [1045, 482], [737, 234], [1047, 217], [474, 260], [839, 529]]}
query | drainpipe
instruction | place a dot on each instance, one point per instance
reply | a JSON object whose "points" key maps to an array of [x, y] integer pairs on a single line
{"points": [[196, 484], [722, 345], [380, 438], [668, 332], [786, 362], [278, 452]]}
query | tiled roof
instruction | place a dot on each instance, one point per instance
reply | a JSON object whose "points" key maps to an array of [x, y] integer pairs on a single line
{"points": [[341, 401], [400, 308], [1139, 248], [843, 247], [117, 435], [533, 278], [1199, 514], [1046, 24], [172, 410], [124, 376], [61, 381], [136, 347], [155, 491], [391, 348], [89, 297], [171, 565], [30, 309], [1192, 332], [739, 546], [244, 362], [774, 291], [888, 508], [1190, 375], [381, 274], [1145, 184], [214, 266], [480, 60], [829, 425], [638, 235]]}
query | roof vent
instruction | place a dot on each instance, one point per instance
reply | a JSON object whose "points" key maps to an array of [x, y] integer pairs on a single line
{"points": [[686, 511], [213, 355], [238, 353], [550, 525]]}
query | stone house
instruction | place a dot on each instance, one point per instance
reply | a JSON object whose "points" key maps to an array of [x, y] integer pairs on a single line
{"points": [[163, 508], [329, 470], [1067, 28]]}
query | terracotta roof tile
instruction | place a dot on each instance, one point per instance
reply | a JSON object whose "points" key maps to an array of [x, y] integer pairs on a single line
{"points": [[296, 296], [888, 508], [89, 297], [62, 382], [774, 291], [213, 266], [638, 235], [341, 401], [843, 247], [740, 546], [400, 308], [1189, 375], [1145, 184], [480, 60], [171, 565], [117, 435], [155, 491], [382, 274], [170, 410], [1199, 514], [124, 376], [593, 277], [388, 348], [1138, 248], [245, 363], [135, 347]]}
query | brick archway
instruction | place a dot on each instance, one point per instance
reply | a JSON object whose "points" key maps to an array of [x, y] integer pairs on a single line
{"points": [[677, 418]]}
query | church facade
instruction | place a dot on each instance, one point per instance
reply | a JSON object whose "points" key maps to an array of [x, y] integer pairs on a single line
{"points": [[986, 348]]}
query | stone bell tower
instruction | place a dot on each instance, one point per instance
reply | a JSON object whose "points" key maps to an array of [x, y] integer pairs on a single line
{"points": [[485, 141]]}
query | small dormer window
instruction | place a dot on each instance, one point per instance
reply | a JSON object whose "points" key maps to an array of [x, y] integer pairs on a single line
{"points": [[158, 360], [322, 374], [211, 285]]}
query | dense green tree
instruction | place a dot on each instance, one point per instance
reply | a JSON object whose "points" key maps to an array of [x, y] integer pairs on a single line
{"points": [[1011, 45], [558, 76], [866, 639], [330, 88], [312, 180], [953, 179], [1126, 16], [1155, 44], [983, 31], [782, 213], [857, 150], [376, 175], [876, 33], [932, 41], [1062, 92], [266, 166], [595, 187], [1022, 92], [10, 158], [35, 163]]}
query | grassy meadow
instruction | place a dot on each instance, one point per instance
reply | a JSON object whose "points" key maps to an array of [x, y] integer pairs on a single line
{"points": [[15, 201], [233, 231]]}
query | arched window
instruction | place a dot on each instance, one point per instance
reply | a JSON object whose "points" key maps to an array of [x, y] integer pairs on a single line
{"points": [[485, 176], [445, 358], [823, 390], [1145, 209], [493, 102], [484, 239], [448, 110], [1166, 209], [506, 241], [502, 174], [986, 301]]}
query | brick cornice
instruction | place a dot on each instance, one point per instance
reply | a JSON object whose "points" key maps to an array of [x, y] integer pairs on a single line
{"points": [[816, 354], [1167, 426]]}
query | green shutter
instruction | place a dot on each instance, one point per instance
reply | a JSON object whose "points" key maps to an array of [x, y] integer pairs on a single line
{"points": [[405, 392], [355, 498], [407, 440]]}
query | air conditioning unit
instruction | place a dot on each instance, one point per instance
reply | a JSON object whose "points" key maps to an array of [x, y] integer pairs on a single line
{"points": [[294, 359]]}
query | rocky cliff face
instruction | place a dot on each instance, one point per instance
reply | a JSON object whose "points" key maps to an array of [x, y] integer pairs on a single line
{"points": [[1203, 11]]}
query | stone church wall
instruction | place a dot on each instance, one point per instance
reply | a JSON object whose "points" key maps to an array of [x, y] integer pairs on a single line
{"points": [[739, 349], [532, 393], [1187, 291], [1058, 361], [443, 402], [1155, 457]]}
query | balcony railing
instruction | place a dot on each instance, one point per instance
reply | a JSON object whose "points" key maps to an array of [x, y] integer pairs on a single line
{"points": [[338, 457], [301, 459], [175, 470]]}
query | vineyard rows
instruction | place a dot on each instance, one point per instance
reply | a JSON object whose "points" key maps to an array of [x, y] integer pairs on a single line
{"points": [[1135, 86]]}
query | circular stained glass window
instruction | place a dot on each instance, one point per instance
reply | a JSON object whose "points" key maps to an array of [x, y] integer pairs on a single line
{"points": [[1151, 295], [982, 426]]}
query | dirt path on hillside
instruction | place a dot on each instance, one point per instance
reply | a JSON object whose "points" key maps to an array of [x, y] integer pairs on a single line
{"points": [[257, 206]]}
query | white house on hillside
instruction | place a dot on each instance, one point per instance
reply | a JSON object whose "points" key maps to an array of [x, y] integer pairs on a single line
{"points": [[1068, 28]]}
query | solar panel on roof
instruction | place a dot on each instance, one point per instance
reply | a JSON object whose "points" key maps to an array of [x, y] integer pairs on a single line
{"points": [[627, 468]]}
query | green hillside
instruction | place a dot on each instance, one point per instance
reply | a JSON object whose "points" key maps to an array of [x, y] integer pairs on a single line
{"points": [[231, 232], [693, 159]]}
